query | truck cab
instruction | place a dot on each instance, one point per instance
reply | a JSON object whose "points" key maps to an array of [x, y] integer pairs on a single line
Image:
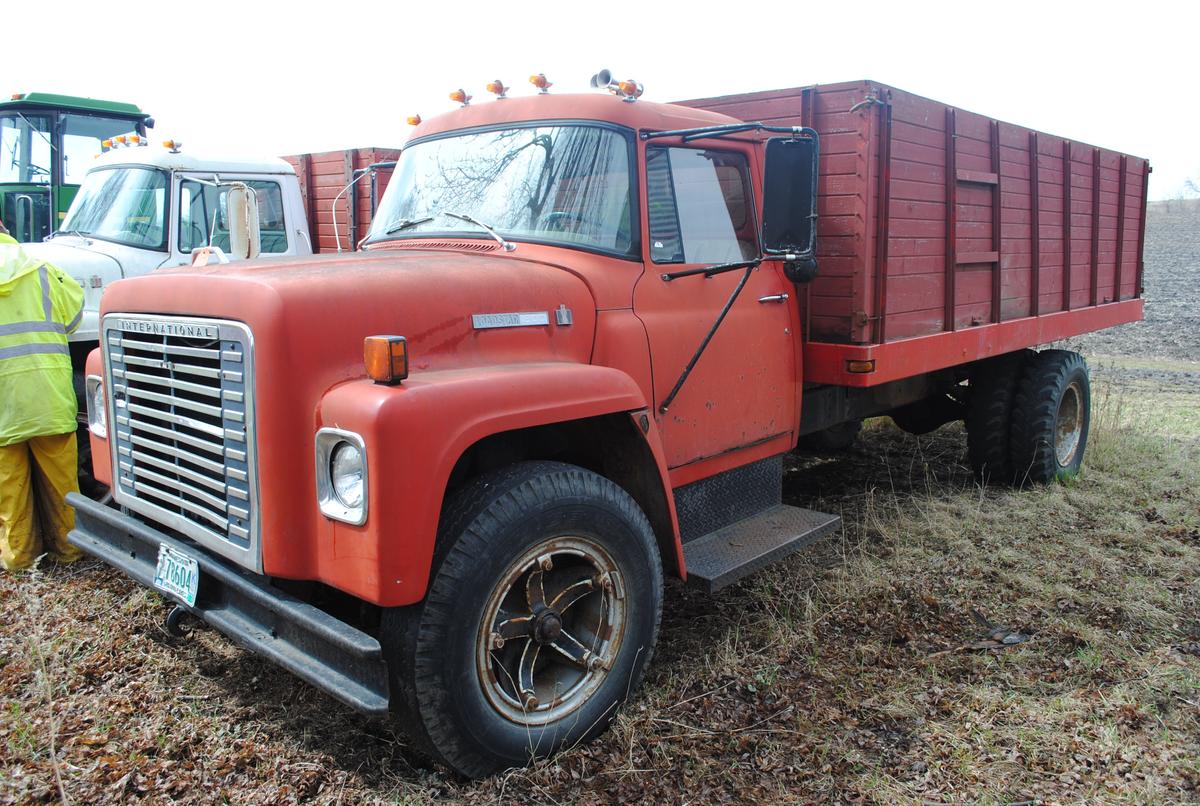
{"points": [[141, 208], [47, 143]]}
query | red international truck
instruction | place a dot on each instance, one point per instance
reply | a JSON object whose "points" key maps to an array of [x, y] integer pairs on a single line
{"points": [[444, 478]]}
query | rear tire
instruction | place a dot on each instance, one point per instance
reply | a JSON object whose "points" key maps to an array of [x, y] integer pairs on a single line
{"points": [[1052, 415], [541, 618], [990, 415]]}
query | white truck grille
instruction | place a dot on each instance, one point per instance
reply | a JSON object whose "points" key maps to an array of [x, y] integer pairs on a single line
{"points": [[181, 414]]}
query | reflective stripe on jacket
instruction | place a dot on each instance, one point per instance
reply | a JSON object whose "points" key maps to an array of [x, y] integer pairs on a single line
{"points": [[39, 306]]}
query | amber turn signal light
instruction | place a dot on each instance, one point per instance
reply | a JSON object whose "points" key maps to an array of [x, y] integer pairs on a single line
{"points": [[386, 358], [860, 366]]}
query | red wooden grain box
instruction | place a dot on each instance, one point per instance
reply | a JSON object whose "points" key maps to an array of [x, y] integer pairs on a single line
{"points": [[942, 235]]}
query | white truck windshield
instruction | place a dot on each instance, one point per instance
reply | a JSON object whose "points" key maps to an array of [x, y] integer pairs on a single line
{"points": [[124, 205], [547, 184]]}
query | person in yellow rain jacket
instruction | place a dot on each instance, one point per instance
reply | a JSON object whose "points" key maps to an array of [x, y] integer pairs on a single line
{"points": [[39, 306]]}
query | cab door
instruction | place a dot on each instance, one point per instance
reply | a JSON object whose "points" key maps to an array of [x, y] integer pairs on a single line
{"points": [[743, 388]]}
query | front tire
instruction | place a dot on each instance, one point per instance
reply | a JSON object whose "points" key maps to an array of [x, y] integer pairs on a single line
{"points": [[541, 617], [1051, 417]]}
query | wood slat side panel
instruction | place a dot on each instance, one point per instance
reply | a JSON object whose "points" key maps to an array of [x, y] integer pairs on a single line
{"points": [[1063, 220]]}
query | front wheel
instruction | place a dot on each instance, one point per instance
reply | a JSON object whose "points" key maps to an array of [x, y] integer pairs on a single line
{"points": [[541, 618]]}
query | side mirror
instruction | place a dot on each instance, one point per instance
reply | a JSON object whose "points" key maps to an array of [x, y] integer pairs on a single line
{"points": [[790, 204], [245, 239]]}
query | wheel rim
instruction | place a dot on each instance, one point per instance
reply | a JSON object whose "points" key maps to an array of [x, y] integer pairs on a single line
{"points": [[1068, 426], [550, 630]]}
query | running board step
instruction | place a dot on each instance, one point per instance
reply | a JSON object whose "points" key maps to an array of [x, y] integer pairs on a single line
{"points": [[723, 557]]}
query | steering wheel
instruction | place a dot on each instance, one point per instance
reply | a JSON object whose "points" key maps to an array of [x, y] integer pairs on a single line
{"points": [[558, 218], [141, 230]]}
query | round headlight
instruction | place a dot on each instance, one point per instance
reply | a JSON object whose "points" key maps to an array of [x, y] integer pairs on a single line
{"points": [[346, 473]]}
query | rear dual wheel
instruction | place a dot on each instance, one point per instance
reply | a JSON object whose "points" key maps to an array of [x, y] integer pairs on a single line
{"points": [[1028, 417], [1052, 415], [541, 617]]}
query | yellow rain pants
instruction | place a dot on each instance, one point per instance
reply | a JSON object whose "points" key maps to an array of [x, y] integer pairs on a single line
{"points": [[35, 477]]}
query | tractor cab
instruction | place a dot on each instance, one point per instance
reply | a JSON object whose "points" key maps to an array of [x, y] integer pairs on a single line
{"points": [[47, 144]]}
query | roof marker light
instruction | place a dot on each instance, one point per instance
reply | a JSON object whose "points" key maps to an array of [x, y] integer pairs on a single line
{"points": [[105, 145], [630, 89], [461, 97], [497, 88], [414, 120], [541, 82], [173, 145], [119, 139]]}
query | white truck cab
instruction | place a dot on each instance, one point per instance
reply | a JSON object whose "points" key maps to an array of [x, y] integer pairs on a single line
{"points": [[142, 208]]}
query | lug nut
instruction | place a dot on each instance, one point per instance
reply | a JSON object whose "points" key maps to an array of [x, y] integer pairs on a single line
{"points": [[531, 700], [545, 563], [497, 641]]}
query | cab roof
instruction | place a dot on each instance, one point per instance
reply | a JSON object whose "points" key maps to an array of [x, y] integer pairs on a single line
{"points": [[157, 156], [72, 102], [596, 106]]}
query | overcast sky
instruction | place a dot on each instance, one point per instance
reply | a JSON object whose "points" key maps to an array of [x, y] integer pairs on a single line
{"points": [[277, 78]]}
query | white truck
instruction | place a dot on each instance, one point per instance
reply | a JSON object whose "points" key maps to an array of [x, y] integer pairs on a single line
{"points": [[142, 208], [146, 208]]}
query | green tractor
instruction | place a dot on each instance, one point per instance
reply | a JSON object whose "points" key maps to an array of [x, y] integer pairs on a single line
{"points": [[47, 144]]}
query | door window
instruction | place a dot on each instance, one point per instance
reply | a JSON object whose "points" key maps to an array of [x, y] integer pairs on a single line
{"points": [[25, 149], [699, 206], [81, 139], [202, 215]]}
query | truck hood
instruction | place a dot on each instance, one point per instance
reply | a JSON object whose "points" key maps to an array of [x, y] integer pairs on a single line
{"points": [[93, 266], [74, 256], [310, 316]]}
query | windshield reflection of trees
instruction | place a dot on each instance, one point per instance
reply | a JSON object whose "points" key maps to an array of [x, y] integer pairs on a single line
{"points": [[563, 183]]}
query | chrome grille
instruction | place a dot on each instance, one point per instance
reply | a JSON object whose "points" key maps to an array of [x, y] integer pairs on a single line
{"points": [[180, 408]]}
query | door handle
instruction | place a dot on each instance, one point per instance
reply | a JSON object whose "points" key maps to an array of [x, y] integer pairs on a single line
{"points": [[774, 298]]}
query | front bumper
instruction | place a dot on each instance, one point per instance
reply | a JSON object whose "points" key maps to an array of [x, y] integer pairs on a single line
{"points": [[337, 658]]}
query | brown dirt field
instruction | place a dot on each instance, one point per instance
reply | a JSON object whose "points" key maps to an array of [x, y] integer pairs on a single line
{"points": [[843, 675]]}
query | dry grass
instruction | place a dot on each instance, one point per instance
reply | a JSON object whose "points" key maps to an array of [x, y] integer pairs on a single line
{"points": [[839, 676]]}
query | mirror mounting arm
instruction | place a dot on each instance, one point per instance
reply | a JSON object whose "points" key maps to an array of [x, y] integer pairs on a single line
{"points": [[710, 271]]}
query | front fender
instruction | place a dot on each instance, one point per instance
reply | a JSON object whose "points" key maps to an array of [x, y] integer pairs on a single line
{"points": [[414, 434]]}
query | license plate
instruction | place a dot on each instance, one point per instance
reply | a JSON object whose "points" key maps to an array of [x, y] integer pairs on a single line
{"points": [[177, 574]]}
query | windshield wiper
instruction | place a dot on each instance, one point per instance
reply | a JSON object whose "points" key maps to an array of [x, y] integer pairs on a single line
{"points": [[508, 247], [75, 232], [405, 223]]}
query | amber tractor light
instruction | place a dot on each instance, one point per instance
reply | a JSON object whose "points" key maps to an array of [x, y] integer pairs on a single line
{"points": [[414, 120], [498, 89], [460, 96], [541, 82], [386, 358]]}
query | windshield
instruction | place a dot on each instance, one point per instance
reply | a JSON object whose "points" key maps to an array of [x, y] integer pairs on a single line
{"points": [[549, 184], [24, 149], [125, 205]]}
